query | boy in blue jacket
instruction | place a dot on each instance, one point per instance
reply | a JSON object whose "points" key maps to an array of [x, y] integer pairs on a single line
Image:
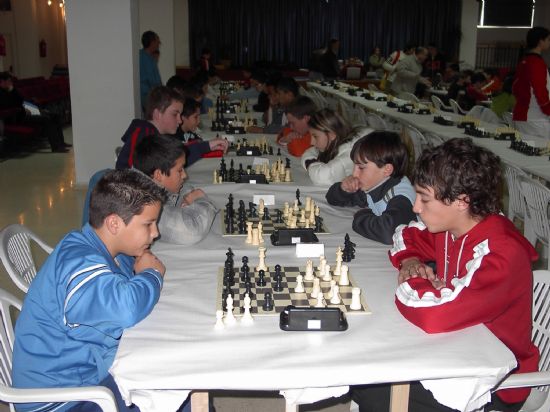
{"points": [[96, 283]]}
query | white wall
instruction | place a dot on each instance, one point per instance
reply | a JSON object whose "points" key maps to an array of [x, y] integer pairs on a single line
{"points": [[158, 15], [181, 32], [102, 39], [468, 42]]}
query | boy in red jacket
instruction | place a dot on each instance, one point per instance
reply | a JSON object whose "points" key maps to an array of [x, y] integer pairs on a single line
{"points": [[482, 263]]}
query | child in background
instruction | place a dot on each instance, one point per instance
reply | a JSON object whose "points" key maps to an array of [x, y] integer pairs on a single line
{"points": [[96, 283], [187, 215], [296, 136], [378, 186], [483, 266], [196, 146], [328, 160]]}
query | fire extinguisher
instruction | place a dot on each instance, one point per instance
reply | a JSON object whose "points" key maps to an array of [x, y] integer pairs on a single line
{"points": [[2, 45], [42, 47]]}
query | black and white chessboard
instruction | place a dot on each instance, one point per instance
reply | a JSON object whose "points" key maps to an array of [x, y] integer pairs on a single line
{"points": [[269, 226], [287, 296]]}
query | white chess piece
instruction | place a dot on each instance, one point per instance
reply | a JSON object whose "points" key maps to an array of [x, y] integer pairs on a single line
{"points": [[344, 279], [219, 320], [261, 263], [316, 288], [261, 208], [335, 299], [247, 318], [330, 293], [308, 203], [326, 274], [321, 257], [322, 266], [355, 299], [309, 271], [320, 300], [299, 284], [255, 237], [302, 216], [260, 232], [248, 232], [338, 268], [215, 180], [229, 315], [288, 178]]}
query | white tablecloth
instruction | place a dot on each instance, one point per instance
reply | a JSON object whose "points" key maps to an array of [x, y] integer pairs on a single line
{"points": [[176, 348], [535, 165]]}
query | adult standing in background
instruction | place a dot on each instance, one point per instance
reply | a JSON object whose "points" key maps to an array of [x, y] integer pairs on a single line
{"points": [[149, 76], [329, 60], [531, 87], [391, 63], [407, 72]]}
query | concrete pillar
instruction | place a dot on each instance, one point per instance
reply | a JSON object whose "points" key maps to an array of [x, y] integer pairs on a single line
{"points": [[103, 44], [468, 43]]}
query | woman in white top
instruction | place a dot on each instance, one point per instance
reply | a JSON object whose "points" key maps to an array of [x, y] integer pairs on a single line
{"points": [[327, 161]]}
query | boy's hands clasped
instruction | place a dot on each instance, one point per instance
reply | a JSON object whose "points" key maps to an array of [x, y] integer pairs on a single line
{"points": [[149, 261], [414, 268], [350, 184]]}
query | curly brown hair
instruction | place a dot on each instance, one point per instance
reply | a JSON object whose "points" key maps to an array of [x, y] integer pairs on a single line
{"points": [[459, 167]]}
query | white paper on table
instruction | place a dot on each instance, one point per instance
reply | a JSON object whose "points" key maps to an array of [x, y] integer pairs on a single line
{"points": [[258, 161]]}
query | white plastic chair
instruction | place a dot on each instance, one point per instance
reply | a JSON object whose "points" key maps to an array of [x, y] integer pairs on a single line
{"points": [[375, 121], [439, 105], [408, 97], [456, 107], [484, 114], [537, 201], [516, 202], [16, 254], [507, 117], [100, 395], [538, 400], [372, 87], [419, 142], [433, 139]]}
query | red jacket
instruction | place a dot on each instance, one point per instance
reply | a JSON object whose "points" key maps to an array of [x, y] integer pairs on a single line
{"points": [[531, 88], [489, 281]]}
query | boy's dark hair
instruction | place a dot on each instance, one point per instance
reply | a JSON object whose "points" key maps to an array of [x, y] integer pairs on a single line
{"points": [[157, 152], [381, 148], [160, 98], [288, 84], [124, 193], [409, 46], [190, 106], [477, 78], [193, 90], [458, 167], [301, 106], [176, 82], [148, 37], [535, 35]]}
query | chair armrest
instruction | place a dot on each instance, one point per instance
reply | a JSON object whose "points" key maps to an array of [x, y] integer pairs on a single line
{"points": [[99, 395], [520, 380]]}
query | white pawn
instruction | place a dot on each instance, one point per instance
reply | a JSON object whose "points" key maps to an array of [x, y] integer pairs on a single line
{"points": [[247, 318], [299, 284], [316, 288], [344, 279], [215, 177], [330, 293], [255, 237], [322, 266], [248, 232], [288, 178], [321, 258], [260, 232], [326, 274], [219, 320], [320, 300], [335, 299], [229, 316], [337, 269], [355, 299], [309, 271]]}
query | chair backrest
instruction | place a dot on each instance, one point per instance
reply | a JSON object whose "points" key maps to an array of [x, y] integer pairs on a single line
{"points": [[372, 87], [456, 107], [433, 139], [16, 254], [541, 320], [507, 117], [7, 335], [437, 102], [485, 114], [537, 201], [418, 140], [376, 122], [409, 97]]}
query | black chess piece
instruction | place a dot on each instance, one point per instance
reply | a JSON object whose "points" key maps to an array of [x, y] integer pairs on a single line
{"points": [[278, 270], [279, 216], [271, 150], [278, 285], [278, 151], [318, 224], [268, 302], [266, 214], [287, 163], [298, 197], [261, 278], [248, 289], [230, 228]]}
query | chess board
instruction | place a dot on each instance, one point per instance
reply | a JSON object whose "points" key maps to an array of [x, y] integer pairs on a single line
{"points": [[287, 296], [269, 226]]}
